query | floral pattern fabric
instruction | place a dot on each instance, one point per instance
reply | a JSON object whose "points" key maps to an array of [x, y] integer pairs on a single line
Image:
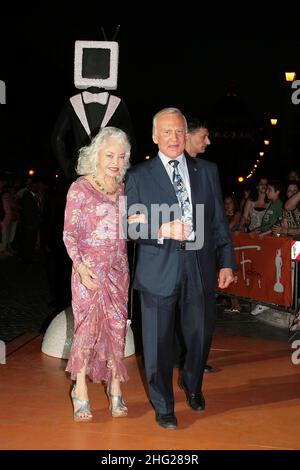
{"points": [[91, 235]]}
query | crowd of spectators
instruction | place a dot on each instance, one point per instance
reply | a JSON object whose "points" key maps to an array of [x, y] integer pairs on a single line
{"points": [[269, 207]]}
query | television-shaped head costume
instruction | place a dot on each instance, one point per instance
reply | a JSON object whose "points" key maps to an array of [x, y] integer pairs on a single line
{"points": [[96, 64], [84, 114]]}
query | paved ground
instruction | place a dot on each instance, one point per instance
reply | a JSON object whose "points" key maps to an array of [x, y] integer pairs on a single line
{"points": [[25, 305], [247, 325], [24, 297]]}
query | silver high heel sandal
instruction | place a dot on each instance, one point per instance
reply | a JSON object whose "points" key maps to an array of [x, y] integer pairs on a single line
{"points": [[117, 405], [84, 408]]}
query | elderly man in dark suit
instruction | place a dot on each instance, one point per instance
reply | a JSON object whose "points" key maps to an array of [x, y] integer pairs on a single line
{"points": [[179, 251], [197, 139]]}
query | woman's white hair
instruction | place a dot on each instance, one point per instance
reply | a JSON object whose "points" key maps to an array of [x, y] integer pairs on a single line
{"points": [[167, 111], [88, 156]]}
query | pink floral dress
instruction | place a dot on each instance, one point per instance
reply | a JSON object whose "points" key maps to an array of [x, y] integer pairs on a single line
{"points": [[91, 235]]}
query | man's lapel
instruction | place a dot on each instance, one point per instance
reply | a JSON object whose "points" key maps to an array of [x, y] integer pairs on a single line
{"points": [[197, 182], [196, 175], [161, 177]]}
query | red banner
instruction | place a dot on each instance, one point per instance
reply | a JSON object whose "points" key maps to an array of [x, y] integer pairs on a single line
{"points": [[264, 269]]}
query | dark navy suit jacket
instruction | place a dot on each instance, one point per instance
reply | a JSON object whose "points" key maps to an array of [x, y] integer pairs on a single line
{"points": [[157, 264]]}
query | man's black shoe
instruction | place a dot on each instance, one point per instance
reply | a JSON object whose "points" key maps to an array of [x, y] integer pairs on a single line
{"points": [[168, 421], [208, 368], [195, 401]]}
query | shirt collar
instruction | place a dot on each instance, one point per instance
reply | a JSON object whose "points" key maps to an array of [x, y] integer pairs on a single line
{"points": [[165, 159]]}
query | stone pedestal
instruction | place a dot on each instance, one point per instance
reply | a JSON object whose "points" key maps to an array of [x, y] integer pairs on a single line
{"points": [[59, 336]]}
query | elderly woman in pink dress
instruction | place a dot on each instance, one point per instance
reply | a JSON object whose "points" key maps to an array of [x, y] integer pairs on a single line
{"points": [[100, 279]]}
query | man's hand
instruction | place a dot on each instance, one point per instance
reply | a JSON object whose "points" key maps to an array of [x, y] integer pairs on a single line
{"points": [[225, 277], [137, 218], [175, 230], [87, 276]]}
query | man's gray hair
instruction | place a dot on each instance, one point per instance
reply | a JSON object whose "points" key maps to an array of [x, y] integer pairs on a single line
{"points": [[167, 111]]}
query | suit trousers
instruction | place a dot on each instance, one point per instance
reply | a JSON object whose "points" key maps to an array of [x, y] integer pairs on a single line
{"points": [[158, 327]]}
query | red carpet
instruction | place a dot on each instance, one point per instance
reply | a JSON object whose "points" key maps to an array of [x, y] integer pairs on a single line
{"points": [[252, 402]]}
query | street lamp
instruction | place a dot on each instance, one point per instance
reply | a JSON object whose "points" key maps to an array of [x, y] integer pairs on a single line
{"points": [[289, 126], [290, 76]]}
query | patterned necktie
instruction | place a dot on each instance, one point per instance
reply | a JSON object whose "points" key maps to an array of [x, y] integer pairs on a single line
{"points": [[182, 195]]}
